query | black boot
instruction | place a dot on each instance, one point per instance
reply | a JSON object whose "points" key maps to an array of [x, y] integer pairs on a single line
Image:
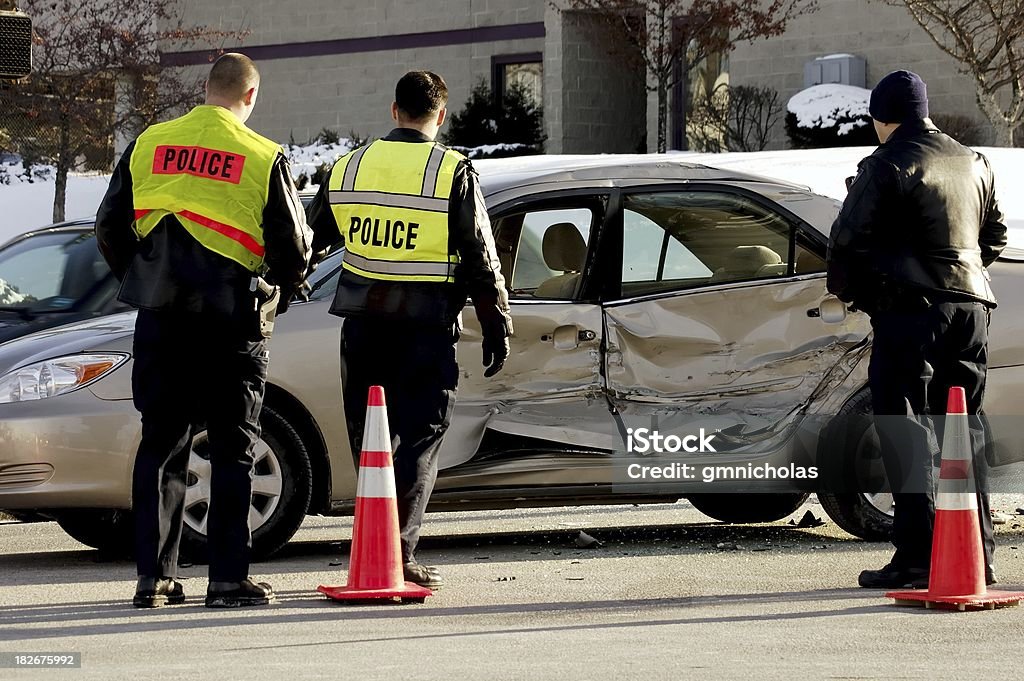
{"points": [[892, 577], [422, 575], [238, 594], [153, 592]]}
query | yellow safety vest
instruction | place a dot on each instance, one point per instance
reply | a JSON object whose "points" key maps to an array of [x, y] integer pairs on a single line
{"points": [[390, 200], [212, 173]]}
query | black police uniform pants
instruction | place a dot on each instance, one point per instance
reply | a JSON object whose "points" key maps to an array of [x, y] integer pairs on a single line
{"points": [[192, 368], [416, 366], [916, 356]]}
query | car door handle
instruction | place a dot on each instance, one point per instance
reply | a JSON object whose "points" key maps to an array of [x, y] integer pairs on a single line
{"points": [[568, 337], [831, 311]]}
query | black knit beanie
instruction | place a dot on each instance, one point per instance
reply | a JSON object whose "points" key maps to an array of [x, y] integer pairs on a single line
{"points": [[900, 97]]}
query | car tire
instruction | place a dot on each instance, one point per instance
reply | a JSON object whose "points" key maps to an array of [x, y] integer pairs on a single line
{"points": [[851, 462], [748, 508], [288, 457], [111, 531]]}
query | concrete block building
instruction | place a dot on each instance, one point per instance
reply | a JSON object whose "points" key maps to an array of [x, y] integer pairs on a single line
{"points": [[334, 63]]}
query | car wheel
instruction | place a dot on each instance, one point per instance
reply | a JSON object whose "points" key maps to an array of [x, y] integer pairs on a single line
{"points": [[748, 508], [854, 464], [109, 530], [281, 489]]}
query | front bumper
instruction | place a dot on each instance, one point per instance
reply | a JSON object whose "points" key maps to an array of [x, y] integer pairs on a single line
{"points": [[71, 451]]}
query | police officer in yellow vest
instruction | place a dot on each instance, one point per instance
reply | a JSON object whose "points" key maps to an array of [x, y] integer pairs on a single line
{"points": [[417, 242], [196, 207]]}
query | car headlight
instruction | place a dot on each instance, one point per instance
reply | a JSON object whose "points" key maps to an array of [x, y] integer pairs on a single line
{"points": [[56, 376]]}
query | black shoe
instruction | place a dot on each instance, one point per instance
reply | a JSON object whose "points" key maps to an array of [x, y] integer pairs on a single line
{"points": [[990, 577], [422, 575], [238, 594], [153, 592], [891, 577]]}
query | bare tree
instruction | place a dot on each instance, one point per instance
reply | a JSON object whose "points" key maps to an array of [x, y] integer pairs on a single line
{"points": [[738, 118], [665, 33], [97, 69], [986, 37]]}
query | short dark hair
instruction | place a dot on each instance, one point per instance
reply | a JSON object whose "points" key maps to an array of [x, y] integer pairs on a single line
{"points": [[233, 75], [420, 94]]}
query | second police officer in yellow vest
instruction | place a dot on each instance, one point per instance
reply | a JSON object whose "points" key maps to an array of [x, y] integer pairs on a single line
{"points": [[417, 241], [196, 207]]}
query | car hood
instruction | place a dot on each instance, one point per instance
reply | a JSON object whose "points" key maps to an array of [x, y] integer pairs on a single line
{"points": [[14, 326], [112, 333]]}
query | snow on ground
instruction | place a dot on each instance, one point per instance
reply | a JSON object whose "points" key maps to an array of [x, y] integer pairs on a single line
{"points": [[823, 105], [27, 206]]}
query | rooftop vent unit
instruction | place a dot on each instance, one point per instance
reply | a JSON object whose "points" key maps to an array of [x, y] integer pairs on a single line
{"points": [[846, 69]]}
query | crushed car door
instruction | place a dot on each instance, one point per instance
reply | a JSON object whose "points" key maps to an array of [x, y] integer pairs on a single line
{"points": [[551, 388], [719, 319]]}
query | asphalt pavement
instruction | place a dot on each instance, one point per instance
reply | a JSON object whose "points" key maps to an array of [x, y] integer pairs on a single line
{"points": [[665, 594]]}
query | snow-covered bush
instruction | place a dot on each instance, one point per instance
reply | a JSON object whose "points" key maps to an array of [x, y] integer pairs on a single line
{"points": [[310, 162], [14, 171], [830, 115]]}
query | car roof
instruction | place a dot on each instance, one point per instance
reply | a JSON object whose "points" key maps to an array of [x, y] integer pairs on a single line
{"points": [[499, 175]]}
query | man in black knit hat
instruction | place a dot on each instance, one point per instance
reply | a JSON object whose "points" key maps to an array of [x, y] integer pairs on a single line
{"points": [[910, 247]]}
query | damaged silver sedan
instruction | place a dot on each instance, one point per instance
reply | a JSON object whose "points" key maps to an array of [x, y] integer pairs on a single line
{"points": [[641, 288]]}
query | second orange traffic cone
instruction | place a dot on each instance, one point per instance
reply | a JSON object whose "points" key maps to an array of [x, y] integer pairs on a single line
{"points": [[957, 575], [375, 561]]}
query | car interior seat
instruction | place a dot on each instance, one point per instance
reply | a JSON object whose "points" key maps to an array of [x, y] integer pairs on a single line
{"points": [[80, 271], [750, 262], [808, 262], [565, 251]]}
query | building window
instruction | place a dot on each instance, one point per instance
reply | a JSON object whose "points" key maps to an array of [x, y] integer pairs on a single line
{"points": [[524, 70]]}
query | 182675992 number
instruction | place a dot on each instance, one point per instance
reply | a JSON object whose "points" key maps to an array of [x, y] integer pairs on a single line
{"points": [[16, 660]]}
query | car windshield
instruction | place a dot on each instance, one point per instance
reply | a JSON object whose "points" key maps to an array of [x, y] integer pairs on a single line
{"points": [[50, 271]]}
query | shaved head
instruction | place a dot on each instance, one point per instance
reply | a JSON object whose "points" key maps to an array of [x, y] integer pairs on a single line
{"points": [[232, 76]]}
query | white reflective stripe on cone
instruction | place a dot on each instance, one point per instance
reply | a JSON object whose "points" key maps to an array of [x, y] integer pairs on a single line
{"points": [[376, 434], [955, 501], [956, 440], [376, 483]]}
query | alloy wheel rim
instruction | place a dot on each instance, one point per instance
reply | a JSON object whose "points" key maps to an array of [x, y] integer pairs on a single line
{"points": [[267, 483]]}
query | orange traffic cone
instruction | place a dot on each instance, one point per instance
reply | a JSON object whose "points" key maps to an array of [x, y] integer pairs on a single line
{"points": [[375, 561], [957, 575]]}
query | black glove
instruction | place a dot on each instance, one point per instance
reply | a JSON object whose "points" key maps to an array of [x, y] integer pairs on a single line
{"points": [[496, 351], [287, 294]]}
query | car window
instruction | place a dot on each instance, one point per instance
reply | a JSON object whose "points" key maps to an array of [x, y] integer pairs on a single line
{"points": [[543, 251], [680, 240], [324, 280], [51, 270]]}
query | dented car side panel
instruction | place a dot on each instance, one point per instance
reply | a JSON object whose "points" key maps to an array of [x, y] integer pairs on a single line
{"points": [[552, 379], [742, 349]]}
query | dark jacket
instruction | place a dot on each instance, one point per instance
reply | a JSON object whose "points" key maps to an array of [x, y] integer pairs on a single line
{"points": [[169, 269], [477, 276], [920, 217]]}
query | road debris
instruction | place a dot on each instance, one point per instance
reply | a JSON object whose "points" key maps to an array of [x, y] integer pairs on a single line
{"points": [[585, 541], [808, 520]]}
